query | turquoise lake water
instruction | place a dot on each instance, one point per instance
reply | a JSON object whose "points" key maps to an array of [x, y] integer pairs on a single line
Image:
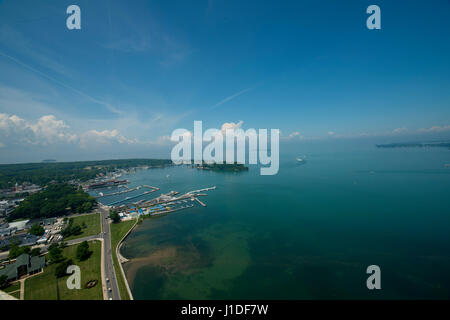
{"points": [[309, 232]]}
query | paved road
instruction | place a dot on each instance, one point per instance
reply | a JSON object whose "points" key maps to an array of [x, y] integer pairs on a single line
{"points": [[44, 248], [110, 273], [109, 265]]}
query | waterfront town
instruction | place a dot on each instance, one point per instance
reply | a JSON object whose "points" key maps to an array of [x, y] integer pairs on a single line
{"points": [[34, 249]]}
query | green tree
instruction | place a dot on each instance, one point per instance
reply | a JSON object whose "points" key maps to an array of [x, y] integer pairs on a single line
{"points": [[55, 200], [37, 230], [114, 216], [61, 268], [43, 173], [87, 206], [35, 252], [71, 229], [55, 253], [83, 251], [15, 251]]}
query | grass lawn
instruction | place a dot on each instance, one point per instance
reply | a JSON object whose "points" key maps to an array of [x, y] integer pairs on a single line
{"points": [[118, 231], [45, 287], [15, 295], [12, 287], [92, 222]]}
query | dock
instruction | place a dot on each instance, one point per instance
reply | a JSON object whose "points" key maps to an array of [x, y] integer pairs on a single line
{"points": [[201, 190], [150, 187], [203, 205], [130, 198], [119, 192], [171, 199]]}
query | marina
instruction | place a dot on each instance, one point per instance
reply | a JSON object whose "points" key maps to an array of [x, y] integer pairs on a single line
{"points": [[162, 204], [130, 198], [152, 189], [106, 184]]}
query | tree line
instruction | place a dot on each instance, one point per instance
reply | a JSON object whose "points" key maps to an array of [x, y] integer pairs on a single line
{"points": [[55, 200], [44, 173]]}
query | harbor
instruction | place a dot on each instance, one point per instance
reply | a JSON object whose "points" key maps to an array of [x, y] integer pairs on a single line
{"points": [[134, 205], [102, 195]]}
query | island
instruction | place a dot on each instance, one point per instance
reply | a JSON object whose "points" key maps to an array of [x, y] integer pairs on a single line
{"points": [[222, 167]]}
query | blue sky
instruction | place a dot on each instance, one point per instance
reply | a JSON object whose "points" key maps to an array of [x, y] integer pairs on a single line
{"points": [[137, 70]]}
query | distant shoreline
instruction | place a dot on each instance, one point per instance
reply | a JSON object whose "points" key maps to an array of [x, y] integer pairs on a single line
{"points": [[436, 144]]}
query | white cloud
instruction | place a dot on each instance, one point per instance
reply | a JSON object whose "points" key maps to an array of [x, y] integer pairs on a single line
{"points": [[331, 133], [399, 130], [46, 130], [165, 140], [49, 130], [295, 135], [231, 126], [436, 129], [94, 137]]}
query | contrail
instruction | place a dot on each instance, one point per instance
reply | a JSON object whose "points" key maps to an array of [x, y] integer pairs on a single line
{"points": [[235, 95], [230, 98], [88, 97]]}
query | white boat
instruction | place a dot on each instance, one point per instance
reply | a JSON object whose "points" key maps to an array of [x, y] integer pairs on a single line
{"points": [[301, 160]]}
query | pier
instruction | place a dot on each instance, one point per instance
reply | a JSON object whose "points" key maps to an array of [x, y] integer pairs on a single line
{"points": [[201, 190], [150, 187], [130, 198], [161, 203], [202, 204], [106, 184], [119, 192]]}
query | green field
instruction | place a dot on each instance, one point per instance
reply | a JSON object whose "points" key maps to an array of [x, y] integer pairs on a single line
{"points": [[45, 286], [92, 222], [118, 231], [12, 287]]}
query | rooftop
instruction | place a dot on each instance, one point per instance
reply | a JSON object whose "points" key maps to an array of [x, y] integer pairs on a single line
{"points": [[32, 264]]}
